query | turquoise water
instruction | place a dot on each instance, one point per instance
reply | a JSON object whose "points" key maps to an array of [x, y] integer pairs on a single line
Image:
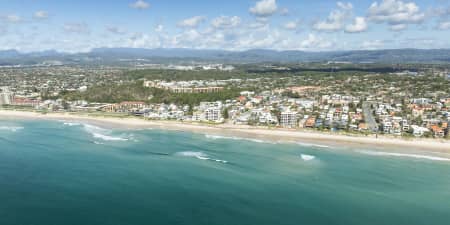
{"points": [[53, 173]]}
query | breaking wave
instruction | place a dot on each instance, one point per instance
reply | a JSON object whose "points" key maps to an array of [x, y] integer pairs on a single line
{"points": [[216, 137], [102, 134], [199, 155], [416, 156], [307, 157], [10, 128], [312, 145], [70, 124], [99, 133], [108, 138]]}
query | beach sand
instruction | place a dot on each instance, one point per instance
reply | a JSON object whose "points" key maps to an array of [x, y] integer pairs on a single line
{"points": [[382, 143]]}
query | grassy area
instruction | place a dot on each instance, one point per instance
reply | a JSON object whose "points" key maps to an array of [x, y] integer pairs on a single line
{"points": [[135, 91]]}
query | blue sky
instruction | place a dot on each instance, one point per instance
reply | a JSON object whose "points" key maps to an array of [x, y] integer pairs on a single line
{"points": [[310, 25]]}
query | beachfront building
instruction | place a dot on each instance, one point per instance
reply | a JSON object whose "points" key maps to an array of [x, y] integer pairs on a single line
{"points": [[26, 102], [419, 131], [267, 118], [438, 132], [405, 125], [387, 127], [213, 115], [310, 122], [6, 98], [288, 119], [127, 106]]}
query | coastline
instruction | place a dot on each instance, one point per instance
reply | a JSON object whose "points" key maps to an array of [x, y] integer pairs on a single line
{"points": [[247, 132]]}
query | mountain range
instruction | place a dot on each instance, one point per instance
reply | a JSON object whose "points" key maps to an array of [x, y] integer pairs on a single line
{"points": [[117, 56]]}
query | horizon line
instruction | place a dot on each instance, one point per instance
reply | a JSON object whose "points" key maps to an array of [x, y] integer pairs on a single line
{"points": [[223, 50]]}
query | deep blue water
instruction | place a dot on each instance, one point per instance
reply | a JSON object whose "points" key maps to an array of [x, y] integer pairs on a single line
{"points": [[53, 173]]}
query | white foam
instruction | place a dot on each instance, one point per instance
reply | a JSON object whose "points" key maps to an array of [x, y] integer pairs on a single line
{"points": [[71, 124], [215, 137], [221, 161], [103, 134], [199, 155], [312, 145], [10, 128], [108, 138], [191, 154], [416, 156], [307, 157]]}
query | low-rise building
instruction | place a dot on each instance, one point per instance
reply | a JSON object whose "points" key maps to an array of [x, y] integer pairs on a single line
{"points": [[438, 132]]}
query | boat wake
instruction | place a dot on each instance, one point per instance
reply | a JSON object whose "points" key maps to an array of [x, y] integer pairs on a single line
{"points": [[10, 128], [199, 155], [416, 156]]}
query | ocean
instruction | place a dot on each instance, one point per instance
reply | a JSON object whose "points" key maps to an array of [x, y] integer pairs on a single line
{"points": [[58, 173]]}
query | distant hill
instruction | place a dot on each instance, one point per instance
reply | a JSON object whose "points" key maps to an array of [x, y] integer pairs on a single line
{"points": [[117, 56], [9, 54]]}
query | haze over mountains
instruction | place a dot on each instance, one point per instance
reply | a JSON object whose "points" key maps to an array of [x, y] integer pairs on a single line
{"points": [[121, 55]]}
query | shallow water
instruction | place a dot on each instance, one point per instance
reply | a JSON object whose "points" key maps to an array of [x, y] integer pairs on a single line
{"points": [[74, 173]]}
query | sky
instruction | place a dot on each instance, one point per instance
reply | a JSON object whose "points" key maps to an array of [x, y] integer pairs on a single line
{"points": [[236, 25]]}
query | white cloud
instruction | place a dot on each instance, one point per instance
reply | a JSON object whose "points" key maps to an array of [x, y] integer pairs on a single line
{"points": [[395, 12], [191, 38], [115, 30], [359, 25], [443, 15], [263, 20], [12, 18], [441, 11], [264, 8], [258, 25], [226, 22], [314, 42], [336, 19], [258, 40], [191, 22], [398, 27], [40, 15], [140, 4], [345, 6], [372, 45], [423, 42], [80, 28], [159, 28], [284, 11], [291, 25], [3, 30], [444, 25], [139, 40]]}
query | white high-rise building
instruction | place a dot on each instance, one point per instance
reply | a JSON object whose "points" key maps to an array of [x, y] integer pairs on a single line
{"points": [[213, 114], [6, 97], [288, 119]]}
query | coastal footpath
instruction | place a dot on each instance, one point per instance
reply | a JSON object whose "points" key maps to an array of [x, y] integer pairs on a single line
{"points": [[242, 131]]}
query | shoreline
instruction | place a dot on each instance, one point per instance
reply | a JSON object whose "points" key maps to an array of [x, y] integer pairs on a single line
{"points": [[247, 132]]}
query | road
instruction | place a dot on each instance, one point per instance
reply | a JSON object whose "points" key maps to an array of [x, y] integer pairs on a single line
{"points": [[368, 117]]}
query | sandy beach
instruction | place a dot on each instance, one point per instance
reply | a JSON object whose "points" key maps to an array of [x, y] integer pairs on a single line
{"points": [[257, 133]]}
